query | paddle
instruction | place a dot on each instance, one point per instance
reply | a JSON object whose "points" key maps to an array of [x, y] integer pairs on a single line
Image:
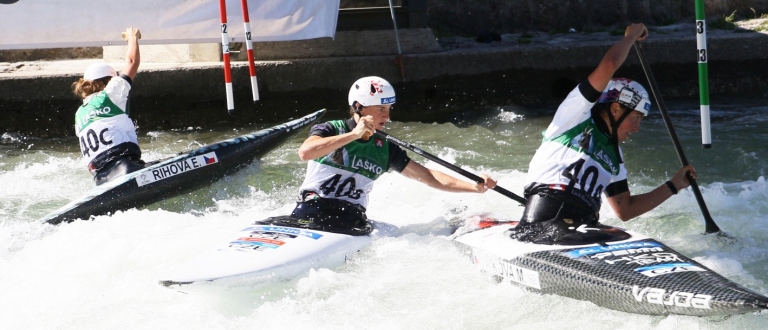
{"points": [[450, 166], [711, 226]]}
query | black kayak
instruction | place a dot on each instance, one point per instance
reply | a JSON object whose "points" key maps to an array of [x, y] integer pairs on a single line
{"points": [[609, 266], [181, 174]]}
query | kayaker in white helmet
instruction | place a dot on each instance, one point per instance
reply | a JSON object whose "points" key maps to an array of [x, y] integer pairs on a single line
{"points": [[344, 159], [580, 159], [108, 142]]}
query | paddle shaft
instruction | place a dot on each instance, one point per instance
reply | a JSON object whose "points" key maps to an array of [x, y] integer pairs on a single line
{"points": [[448, 165], [711, 226]]}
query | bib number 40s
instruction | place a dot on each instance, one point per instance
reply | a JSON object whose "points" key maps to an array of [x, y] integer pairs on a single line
{"points": [[336, 187]]}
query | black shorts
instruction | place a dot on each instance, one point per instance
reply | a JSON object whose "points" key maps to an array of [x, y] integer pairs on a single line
{"points": [[550, 218], [118, 167], [332, 215], [543, 207]]}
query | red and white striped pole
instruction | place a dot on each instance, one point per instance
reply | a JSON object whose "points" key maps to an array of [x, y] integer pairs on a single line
{"points": [[249, 47], [225, 56]]}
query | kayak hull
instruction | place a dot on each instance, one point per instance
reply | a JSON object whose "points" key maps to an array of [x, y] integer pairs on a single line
{"points": [[637, 274], [265, 254], [180, 174]]}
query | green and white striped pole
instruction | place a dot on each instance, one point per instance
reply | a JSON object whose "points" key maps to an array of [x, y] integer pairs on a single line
{"points": [[701, 46]]}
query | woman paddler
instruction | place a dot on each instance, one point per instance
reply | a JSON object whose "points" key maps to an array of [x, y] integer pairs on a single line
{"points": [[107, 135], [344, 159], [580, 159]]}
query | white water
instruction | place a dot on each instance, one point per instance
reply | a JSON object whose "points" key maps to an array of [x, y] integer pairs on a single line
{"points": [[104, 273]]}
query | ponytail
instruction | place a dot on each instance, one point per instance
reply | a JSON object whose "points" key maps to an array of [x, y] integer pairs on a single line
{"points": [[82, 88]]}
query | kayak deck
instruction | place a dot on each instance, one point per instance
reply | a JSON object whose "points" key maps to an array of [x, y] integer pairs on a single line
{"points": [[263, 254], [636, 275]]}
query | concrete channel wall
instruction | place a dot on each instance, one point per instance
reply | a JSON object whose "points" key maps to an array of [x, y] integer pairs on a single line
{"points": [[509, 16], [449, 80]]}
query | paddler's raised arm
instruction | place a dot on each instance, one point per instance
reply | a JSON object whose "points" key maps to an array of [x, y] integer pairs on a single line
{"points": [[132, 56], [616, 56]]}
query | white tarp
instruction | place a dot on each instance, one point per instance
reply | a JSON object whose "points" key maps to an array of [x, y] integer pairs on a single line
{"points": [[29, 24]]}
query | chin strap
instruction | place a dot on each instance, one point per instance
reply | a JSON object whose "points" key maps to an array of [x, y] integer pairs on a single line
{"points": [[358, 108], [615, 127]]}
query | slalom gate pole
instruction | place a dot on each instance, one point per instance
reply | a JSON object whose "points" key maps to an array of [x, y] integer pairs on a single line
{"points": [[711, 226], [225, 56], [397, 38], [701, 45], [249, 47]]}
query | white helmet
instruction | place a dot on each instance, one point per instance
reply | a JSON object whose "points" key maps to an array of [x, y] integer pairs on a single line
{"points": [[628, 93], [370, 91], [98, 71]]}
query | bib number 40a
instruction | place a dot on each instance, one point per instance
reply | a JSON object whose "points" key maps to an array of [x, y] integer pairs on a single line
{"points": [[586, 180], [335, 186]]}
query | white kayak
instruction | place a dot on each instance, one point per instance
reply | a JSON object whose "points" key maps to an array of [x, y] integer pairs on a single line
{"points": [[611, 267], [263, 254]]}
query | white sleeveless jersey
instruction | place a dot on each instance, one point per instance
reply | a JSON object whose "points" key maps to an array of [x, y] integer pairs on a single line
{"points": [[101, 122], [575, 156]]}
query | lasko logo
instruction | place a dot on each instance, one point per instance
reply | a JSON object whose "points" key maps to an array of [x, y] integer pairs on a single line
{"points": [[176, 168], [613, 247], [387, 100], [657, 270], [366, 165], [675, 298], [103, 112], [286, 230], [605, 159]]}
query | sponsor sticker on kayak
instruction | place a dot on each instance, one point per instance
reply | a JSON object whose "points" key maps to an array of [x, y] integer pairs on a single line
{"points": [[645, 259], [671, 298], [657, 270], [286, 230], [176, 168], [583, 252], [625, 255], [263, 242]]}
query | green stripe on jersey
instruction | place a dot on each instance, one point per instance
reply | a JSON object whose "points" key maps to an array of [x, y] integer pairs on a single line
{"points": [[98, 108]]}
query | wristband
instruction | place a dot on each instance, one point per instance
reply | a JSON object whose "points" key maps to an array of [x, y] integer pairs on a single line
{"points": [[671, 187]]}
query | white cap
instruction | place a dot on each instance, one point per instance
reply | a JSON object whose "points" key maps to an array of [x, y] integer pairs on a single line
{"points": [[370, 91], [98, 71]]}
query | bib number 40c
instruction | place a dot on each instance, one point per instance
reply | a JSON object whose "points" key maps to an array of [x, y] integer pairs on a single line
{"points": [[91, 141], [586, 180], [334, 186]]}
